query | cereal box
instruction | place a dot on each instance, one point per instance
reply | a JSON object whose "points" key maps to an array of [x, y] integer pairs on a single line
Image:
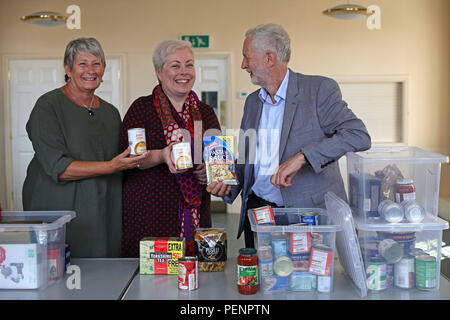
{"points": [[220, 159], [159, 255]]}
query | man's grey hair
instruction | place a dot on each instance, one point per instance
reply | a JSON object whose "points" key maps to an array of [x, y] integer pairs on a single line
{"points": [[271, 37], [82, 45], [165, 48]]}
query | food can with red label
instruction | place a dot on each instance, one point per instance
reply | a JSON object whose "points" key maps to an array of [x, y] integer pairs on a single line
{"points": [[404, 190], [188, 273], [136, 140]]}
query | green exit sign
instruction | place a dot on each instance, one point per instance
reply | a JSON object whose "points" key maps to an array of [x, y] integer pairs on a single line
{"points": [[197, 41]]}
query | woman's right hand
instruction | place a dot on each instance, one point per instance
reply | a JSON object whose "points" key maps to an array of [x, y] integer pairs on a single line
{"points": [[166, 157], [123, 161]]}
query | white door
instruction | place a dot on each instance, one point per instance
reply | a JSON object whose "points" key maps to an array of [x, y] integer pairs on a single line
{"points": [[211, 85], [29, 79]]}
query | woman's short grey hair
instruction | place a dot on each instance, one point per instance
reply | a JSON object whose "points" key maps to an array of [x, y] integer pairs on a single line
{"points": [[82, 45], [271, 37], [165, 48]]}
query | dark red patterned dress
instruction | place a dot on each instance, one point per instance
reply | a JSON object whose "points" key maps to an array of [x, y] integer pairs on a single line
{"points": [[150, 197]]}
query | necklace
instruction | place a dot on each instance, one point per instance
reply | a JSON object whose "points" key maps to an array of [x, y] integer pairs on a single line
{"points": [[73, 98], [90, 112]]}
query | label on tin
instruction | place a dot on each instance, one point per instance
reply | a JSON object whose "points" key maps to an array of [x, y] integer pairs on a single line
{"points": [[188, 274], [264, 215], [181, 156], [136, 140], [376, 276], [425, 273], [320, 262], [247, 275], [300, 242], [404, 276]]}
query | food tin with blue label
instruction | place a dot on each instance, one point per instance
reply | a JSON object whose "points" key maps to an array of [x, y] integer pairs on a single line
{"points": [[310, 218]]}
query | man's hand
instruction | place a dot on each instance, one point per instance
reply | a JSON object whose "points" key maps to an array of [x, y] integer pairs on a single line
{"points": [[286, 171], [218, 189], [200, 173]]}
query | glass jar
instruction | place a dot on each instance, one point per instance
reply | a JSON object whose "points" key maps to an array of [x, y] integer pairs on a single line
{"points": [[247, 269]]}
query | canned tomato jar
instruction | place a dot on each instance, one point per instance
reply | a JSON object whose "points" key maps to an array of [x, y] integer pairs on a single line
{"points": [[247, 271]]}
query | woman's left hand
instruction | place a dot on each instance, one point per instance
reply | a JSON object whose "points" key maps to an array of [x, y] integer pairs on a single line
{"points": [[200, 174]]}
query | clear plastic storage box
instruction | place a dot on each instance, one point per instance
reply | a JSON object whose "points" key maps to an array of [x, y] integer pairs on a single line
{"points": [[402, 255], [394, 184], [295, 257], [32, 248]]}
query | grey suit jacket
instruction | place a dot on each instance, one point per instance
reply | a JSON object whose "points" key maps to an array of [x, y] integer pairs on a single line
{"points": [[317, 122]]}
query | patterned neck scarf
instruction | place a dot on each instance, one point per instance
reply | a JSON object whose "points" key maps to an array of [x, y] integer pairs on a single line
{"points": [[191, 190]]}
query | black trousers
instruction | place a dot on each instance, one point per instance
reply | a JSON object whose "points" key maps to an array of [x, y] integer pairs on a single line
{"points": [[253, 202]]}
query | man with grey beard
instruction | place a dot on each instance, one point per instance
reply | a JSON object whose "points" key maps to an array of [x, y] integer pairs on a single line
{"points": [[302, 128]]}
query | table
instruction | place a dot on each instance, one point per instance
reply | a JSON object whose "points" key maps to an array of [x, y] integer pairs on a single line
{"points": [[101, 279], [222, 286]]}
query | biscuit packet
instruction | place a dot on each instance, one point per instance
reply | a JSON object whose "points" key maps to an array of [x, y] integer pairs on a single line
{"points": [[219, 159]]}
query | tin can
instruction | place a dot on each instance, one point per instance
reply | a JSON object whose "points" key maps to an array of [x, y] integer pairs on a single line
{"points": [[299, 242], [426, 272], [188, 273], [404, 190], [136, 140], [301, 261], [376, 273], [266, 268], [283, 266], [390, 250], [405, 239], [414, 212], [310, 218], [264, 238], [265, 253], [302, 282], [391, 211], [279, 245], [181, 156], [321, 260], [404, 275]]}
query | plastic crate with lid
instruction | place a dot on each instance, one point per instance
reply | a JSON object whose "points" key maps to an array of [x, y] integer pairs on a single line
{"points": [[394, 184], [293, 256], [32, 248]]}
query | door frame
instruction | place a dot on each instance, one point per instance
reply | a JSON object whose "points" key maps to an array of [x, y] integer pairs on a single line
{"points": [[6, 76], [228, 56]]}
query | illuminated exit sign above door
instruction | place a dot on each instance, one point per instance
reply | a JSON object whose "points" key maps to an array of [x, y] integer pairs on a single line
{"points": [[197, 41]]}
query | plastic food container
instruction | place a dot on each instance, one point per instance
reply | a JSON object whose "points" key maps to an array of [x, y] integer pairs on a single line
{"points": [[401, 256], [395, 173], [32, 248], [293, 256]]}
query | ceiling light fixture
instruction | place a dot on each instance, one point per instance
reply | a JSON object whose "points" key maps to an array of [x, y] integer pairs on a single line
{"points": [[45, 19], [346, 12]]}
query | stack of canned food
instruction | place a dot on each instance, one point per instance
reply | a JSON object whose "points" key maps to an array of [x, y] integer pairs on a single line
{"points": [[392, 260], [296, 261]]}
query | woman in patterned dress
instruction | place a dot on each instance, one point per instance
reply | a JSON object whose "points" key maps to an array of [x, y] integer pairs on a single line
{"points": [[158, 200]]}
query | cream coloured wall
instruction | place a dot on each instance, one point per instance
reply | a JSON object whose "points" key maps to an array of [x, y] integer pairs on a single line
{"points": [[413, 41]]}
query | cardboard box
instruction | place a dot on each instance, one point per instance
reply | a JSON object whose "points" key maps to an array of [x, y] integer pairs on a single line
{"points": [[159, 255], [23, 266]]}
